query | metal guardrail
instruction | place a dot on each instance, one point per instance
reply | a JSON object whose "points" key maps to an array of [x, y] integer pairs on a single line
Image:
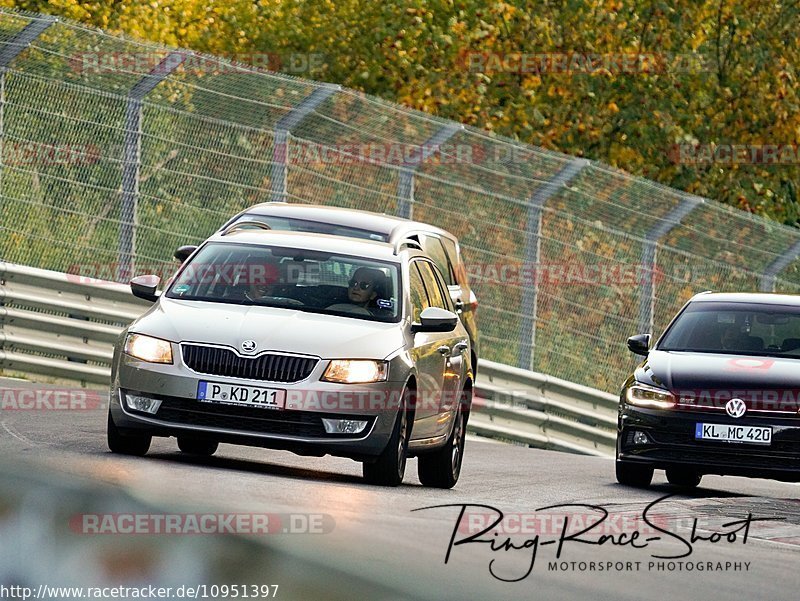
{"points": [[60, 325], [541, 411]]}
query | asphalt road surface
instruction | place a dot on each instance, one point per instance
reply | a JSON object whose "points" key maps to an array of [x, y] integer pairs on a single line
{"points": [[368, 534]]}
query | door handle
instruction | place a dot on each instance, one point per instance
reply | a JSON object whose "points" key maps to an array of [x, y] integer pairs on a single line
{"points": [[444, 350]]}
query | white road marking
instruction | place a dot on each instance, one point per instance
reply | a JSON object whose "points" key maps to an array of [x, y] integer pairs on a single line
{"points": [[16, 434]]}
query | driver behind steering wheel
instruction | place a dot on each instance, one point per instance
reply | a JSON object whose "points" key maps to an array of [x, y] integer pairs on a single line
{"points": [[262, 279]]}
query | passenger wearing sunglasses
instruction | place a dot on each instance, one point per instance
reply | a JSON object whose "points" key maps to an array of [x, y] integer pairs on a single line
{"points": [[366, 287], [362, 289]]}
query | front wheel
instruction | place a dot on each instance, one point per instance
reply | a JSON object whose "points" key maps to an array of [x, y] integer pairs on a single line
{"points": [[390, 467], [442, 468], [633, 474], [126, 444]]}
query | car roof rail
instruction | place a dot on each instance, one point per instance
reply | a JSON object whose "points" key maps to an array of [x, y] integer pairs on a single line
{"points": [[247, 225], [406, 243]]}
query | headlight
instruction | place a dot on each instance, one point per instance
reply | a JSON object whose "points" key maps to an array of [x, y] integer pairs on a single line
{"points": [[355, 371], [147, 348], [642, 395]]}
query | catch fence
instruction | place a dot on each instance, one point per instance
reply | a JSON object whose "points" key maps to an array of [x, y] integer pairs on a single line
{"points": [[115, 152]]}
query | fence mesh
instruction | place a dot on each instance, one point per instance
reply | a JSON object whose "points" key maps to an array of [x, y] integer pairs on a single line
{"points": [[208, 146]]}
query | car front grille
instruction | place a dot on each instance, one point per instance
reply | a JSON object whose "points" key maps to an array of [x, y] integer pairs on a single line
{"points": [[269, 367], [780, 405], [782, 443]]}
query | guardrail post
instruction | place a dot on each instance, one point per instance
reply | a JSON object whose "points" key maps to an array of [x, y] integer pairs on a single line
{"points": [[650, 259], [132, 147], [283, 128], [767, 283], [405, 185], [527, 332], [8, 53]]}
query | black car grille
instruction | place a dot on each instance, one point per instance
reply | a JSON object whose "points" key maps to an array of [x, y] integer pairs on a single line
{"points": [[269, 367], [247, 419], [782, 444], [752, 409]]}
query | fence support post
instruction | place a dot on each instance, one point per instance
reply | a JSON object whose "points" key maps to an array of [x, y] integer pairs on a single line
{"points": [[767, 283], [405, 185], [650, 259], [527, 333], [8, 52], [132, 146], [283, 128]]}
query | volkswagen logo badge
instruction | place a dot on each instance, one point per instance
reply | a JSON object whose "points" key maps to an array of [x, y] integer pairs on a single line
{"points": [[735, 408], [248, 346]]}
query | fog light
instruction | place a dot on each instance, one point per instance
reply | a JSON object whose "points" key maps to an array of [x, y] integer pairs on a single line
{"points": [[142, 403], [344, 426], [640, 438]]}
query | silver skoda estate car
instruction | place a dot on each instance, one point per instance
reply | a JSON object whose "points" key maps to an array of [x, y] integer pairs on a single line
{"points": [[440, 245], [312, 343]]}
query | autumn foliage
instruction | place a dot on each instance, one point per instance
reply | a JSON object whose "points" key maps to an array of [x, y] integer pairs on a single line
{"points": [[715, 73]]}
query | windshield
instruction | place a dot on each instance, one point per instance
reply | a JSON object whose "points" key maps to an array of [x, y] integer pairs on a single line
{"points": [[290, 278], [313, 227], [736, 328]]}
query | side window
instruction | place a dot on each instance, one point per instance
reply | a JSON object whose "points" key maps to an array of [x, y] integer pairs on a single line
{"points": [[448, 301], [432, 246], [419, 299], [432, 287], [455, 261]]}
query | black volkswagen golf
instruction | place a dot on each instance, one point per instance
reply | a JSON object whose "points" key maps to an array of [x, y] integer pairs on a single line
{"points": [[717, 394]]}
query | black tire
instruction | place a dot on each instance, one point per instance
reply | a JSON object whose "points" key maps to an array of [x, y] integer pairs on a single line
{"points": [[441, 468], [683, 477], [126, 444], [390, 467], [193, 446], [633, 474]]}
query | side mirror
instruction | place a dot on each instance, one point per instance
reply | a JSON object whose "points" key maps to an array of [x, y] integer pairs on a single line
{"points": [[184, 252], [144, 286], [434, 319], [639, 344]]}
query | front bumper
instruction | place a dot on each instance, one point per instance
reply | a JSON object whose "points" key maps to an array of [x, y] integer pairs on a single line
{"points": [[297, 428], [672, 443]]}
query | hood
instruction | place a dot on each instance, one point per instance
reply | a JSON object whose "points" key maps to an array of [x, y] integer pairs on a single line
{"points": [[275, 329], [683, 371]]}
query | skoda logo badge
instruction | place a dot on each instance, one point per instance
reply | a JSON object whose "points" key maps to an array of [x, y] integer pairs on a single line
{"points": [[735, 408], [248, 346]]}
